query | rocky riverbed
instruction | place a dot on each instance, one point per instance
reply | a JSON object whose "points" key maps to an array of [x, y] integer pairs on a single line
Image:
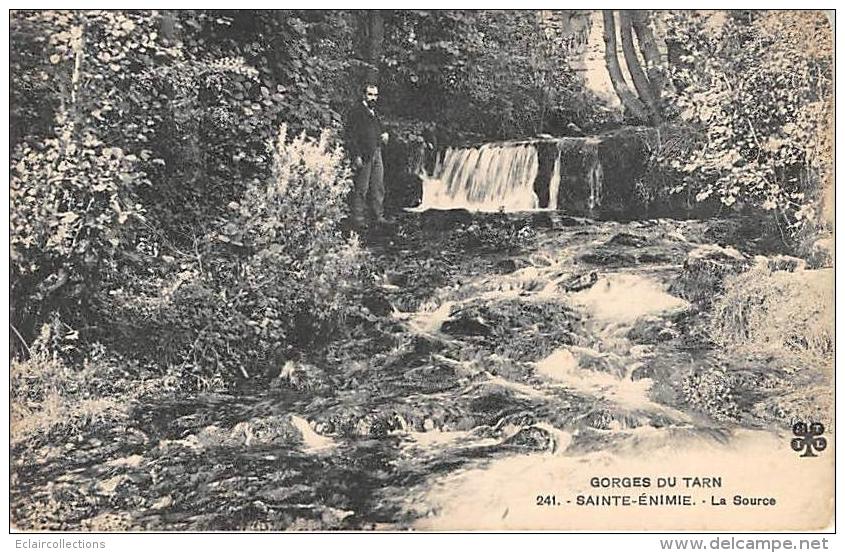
{"points": [[501, 348]]}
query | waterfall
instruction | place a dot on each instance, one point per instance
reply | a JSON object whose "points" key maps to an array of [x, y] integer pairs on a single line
{"points": [[491, 177], [596, 180], [595, 174], [554, 184]]}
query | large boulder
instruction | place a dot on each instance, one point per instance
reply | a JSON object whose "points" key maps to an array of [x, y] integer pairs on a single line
{"points": [[705, 270]]}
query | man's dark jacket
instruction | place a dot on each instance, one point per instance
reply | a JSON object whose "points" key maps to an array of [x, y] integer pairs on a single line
{"points": [[363, 129]]}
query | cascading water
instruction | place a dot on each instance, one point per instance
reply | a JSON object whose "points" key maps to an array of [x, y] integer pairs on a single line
{"points": [[487, 178], [543, 173], [596, 180], [554, 184]]}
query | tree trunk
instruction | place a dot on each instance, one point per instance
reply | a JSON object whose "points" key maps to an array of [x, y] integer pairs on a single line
{"points": [[650, 51], [641, 82], [371, 28], [629, 100], [169, 25]]}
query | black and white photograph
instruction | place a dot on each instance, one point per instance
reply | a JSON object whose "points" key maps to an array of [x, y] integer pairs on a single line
{"points": [[420, 270]]}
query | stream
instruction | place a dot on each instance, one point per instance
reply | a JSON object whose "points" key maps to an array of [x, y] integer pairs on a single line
{"points": [[496, 376]]}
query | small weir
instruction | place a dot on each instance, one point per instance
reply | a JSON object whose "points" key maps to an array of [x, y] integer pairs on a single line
{"points": [[576, 174], [488, 178]]}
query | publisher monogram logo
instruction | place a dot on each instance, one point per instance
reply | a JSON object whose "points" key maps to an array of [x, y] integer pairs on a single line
{"points": [[808, 439]]}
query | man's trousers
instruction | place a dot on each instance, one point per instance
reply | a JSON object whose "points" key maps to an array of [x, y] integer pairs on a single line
{"points": [[368, 191]]}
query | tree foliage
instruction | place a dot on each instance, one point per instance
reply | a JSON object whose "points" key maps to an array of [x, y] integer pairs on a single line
{"points": [[755, 91], [76, 176], [132, 132], [454, 69]]}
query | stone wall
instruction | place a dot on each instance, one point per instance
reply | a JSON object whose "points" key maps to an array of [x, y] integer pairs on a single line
{"points": [[598, 174]]}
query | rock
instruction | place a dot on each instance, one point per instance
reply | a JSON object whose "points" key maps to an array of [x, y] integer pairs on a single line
{"points": [[505, 266], [109, 487], [705, 270], [608, 257], [377, 303], [579, 282], [510, 265], [130, 461], [531, 438], [567, 221], [444, 220], [652, 330], [494, 403], [648, 257], [540, 259], [626, 239], [642, 371], [714, 251], [396, 278], [300, 376], [592, 360], [822, 253], [425, 344], [464, 324], [574, 130], [108, 522], [609, 418], [542, 219], [162, 503], [275, 429], [753, 233], [786, 263], [418, 351], [431, 378], [602, 419], [722, 230], [641, 351], [597, 173]]}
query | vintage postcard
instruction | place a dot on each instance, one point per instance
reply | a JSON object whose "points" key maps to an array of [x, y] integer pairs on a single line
{"points": [[428, 270]]}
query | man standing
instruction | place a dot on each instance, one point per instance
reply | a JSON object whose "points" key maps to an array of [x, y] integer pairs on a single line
{"points": [[364, 141]]}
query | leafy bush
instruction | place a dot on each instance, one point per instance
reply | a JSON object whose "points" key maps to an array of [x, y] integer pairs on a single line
{"points": [[208, 139], [73, 208], [193, 94], [304, 55], [756, 92], [77, 171], [279, 276], [524, 331], [302, 269], [212, 109], [132, 109]]}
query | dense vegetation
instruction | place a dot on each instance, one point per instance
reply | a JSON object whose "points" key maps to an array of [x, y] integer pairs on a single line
{"points": [[754, 93], [157, 210]]}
